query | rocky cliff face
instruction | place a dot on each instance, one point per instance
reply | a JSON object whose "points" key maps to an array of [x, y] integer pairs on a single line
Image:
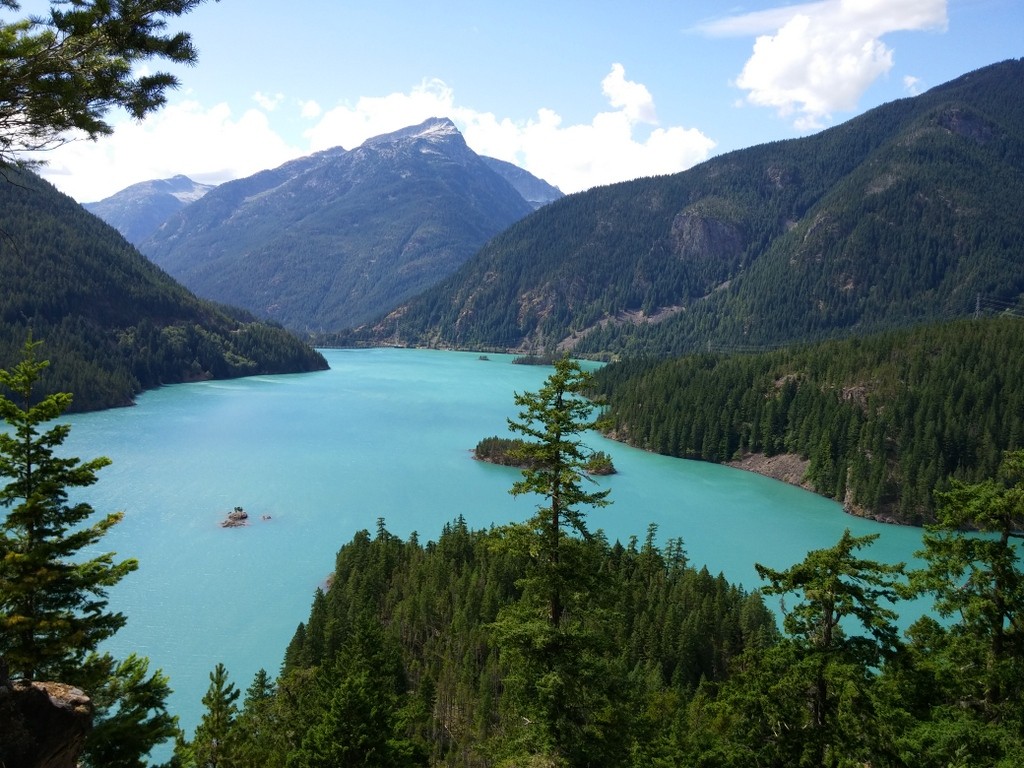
{"points": [[42, 725]]}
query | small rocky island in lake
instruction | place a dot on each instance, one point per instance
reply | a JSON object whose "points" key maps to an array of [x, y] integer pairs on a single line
{"points": [[236, 518]]}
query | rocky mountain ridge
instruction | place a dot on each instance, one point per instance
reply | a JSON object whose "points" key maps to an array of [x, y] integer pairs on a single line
{"points": [[906, 214], [137, 211], [328, 241]]}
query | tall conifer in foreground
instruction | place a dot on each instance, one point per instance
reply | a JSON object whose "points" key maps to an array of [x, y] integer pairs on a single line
{"points": [[969, 676], [840, 630], [216, 740], [53, 610], [565, 690], [53, 603], [555, 460]]}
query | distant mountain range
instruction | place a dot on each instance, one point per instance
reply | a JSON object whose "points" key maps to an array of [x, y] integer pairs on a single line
{"points": [[908, 213], [110, 322], [334, 239], [536, 192], [139, 210]]}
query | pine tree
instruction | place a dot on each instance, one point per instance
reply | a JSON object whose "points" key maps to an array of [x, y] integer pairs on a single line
{"points": [[360, 719], [63, 71], [839, 633], [131, 712], [53, 606], [215, 741], [979, 580], [260, 729], [555, 461], [560, 677], [53, 610]]}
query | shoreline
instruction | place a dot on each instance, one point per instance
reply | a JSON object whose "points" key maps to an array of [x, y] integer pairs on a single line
{"points": [[791, 468]]}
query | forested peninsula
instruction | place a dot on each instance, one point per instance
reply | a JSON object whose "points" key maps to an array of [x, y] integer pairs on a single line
{"points": [[445, 654], [880, 421]]}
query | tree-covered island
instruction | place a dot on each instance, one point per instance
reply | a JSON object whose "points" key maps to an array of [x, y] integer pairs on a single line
{"points": [[508, 451], [564, 394]]}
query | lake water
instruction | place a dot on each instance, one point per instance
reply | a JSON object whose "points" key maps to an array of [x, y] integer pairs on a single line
{"points": [[385, 433]]}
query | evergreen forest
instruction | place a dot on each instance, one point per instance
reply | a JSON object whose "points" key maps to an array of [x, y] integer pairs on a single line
{"points": [[908, 213], [881, 421], [112, 323], [406, 660], [401, 654], [543, 644]]}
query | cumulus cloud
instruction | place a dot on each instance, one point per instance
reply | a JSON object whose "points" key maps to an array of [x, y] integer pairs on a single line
{"points": [[813, 59], [213, 145], [310, 110], [209, 145], [349, 125], [632, 98], [608, 149], [269, 102], [912, 85]]}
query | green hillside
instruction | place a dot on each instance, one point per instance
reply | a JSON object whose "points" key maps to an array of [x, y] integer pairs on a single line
{"points": [[112, 323], [879, 422], [400, 657], [905, 214]]}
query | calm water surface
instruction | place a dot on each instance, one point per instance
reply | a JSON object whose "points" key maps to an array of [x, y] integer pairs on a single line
{"points": [[385, 433]]}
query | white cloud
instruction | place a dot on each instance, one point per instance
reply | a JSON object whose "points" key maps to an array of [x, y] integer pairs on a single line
{"points": [[813, 59], [212, 145], [268, 102], [576, 157], [912, 85], [208, 145], [350, 125], [572, 157], [633, 98], [310, 110]]}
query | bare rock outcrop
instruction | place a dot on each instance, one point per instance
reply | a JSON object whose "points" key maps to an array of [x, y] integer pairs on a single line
{"points": [[236, 518], [42, 725]]}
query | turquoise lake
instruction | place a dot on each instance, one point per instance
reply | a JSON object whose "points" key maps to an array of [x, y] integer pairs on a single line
{"points": [[385, 433]]}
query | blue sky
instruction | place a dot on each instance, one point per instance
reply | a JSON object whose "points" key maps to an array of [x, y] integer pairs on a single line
{"points": [[578, 93]]}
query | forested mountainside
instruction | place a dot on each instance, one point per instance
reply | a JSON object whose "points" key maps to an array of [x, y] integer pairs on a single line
{"points": [[881, 422], [111, 323], [905, 214], [334, 239], [139, 210]]}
